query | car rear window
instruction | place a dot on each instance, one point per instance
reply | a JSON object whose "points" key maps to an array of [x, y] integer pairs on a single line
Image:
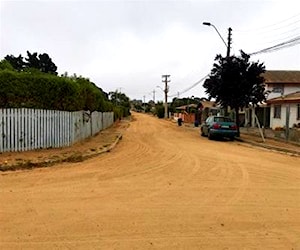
{"points": [[222, 119]]}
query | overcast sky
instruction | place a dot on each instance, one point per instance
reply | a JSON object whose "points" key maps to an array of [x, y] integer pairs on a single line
{"points": [[128, 45]]}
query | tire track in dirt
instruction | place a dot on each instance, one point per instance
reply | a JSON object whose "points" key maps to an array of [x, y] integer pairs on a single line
{"points": [[162, 187]]}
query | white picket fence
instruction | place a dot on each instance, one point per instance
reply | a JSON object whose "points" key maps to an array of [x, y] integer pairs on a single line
{"points": [[28, 129]]}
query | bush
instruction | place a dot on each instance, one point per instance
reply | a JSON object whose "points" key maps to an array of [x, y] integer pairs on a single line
{"points": [[31, 89], [160, 111]]}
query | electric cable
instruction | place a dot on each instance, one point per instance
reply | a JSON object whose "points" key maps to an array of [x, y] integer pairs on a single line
{"points": [[292, 42], [189, 88]]}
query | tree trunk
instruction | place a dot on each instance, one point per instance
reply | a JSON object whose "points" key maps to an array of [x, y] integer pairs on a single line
{"points": [[237, 121]]}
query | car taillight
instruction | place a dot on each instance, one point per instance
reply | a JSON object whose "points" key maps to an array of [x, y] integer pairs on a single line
{"points": [[233, 127], [216, 126]]}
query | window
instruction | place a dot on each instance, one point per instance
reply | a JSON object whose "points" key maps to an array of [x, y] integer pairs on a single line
{"points": [[277, 111], [298, 111], [278, 88], [222, 119]]}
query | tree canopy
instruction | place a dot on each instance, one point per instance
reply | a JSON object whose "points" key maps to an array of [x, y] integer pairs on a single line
{"points": [[16, 62], [34, 83], [236, 82], [121, 102], [40, 62]]}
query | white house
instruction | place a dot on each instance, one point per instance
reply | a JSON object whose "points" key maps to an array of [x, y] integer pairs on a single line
{"points": [[285, 111], [279, 83]]}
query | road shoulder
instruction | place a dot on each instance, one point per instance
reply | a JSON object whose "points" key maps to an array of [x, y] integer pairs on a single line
{"points": [[103, 142]]}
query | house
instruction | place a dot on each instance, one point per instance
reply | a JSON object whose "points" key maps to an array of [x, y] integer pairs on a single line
{"points": [[285, 111], [197, 112], [278, 83], [281, 82], [186, 113]]}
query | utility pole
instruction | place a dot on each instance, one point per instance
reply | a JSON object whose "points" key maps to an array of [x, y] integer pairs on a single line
{"points": [[166, 90], [229, 41], [144, 104], [154, 96]]}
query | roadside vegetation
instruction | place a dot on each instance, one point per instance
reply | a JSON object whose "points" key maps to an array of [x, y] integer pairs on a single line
{"points": [[236, 82], [33, 82]]}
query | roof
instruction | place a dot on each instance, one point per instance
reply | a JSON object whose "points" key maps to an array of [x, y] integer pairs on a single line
{"points": [[290, 98], [206, 104], [187, 106], [282, 76]]}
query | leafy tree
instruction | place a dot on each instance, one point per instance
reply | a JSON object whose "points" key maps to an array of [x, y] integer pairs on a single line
{"points": [[236, 82], [16, 62], [32, 86], [137, 105], [42, 62], [32, 60], [46, 64], [121, 101], [177, 102]]}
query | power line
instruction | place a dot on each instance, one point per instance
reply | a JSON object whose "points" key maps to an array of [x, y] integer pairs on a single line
{"points": [[189, 88], [294, 31], [277, 25], [286, 29], [292, 42]]}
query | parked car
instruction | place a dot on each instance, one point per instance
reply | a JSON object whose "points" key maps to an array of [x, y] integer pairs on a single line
{"points": [[219, 126]]}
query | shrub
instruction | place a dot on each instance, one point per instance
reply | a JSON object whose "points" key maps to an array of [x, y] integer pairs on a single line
{"points": [[160, 111], [30, 89]]}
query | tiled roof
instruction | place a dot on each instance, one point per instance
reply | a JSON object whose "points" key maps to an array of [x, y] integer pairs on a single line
{"points": [[206, 104], [290, 98], [187, 106], [282, 76]]}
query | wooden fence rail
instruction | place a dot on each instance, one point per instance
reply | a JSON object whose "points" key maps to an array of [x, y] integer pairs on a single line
{"points": [[27, 129]]}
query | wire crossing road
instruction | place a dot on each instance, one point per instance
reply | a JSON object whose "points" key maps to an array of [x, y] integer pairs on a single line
{"points": [[162, 187]]}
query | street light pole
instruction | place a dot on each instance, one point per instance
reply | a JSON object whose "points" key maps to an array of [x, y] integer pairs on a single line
{"points": [[229, 36], [229, 40]]}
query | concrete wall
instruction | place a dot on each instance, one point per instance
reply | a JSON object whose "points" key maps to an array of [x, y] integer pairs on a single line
{"points": [[287, 89], [281, 122]]}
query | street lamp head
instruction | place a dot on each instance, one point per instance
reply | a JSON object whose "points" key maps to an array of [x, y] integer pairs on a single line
{"points": [[160, 88], [209, 24]]}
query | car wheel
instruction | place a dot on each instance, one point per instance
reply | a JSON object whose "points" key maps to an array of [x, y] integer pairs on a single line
{"points": [[202, 134], [231, 138]]}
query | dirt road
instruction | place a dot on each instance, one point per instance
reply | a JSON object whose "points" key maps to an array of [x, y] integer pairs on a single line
{"points": [[160, 188]]}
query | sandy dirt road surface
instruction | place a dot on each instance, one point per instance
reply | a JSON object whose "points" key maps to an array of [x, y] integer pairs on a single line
{"points": [[161, 187]]}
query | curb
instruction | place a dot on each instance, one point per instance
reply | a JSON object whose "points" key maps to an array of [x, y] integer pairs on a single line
{"points": [[261, 145], [27, 165], [277, 149]]}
